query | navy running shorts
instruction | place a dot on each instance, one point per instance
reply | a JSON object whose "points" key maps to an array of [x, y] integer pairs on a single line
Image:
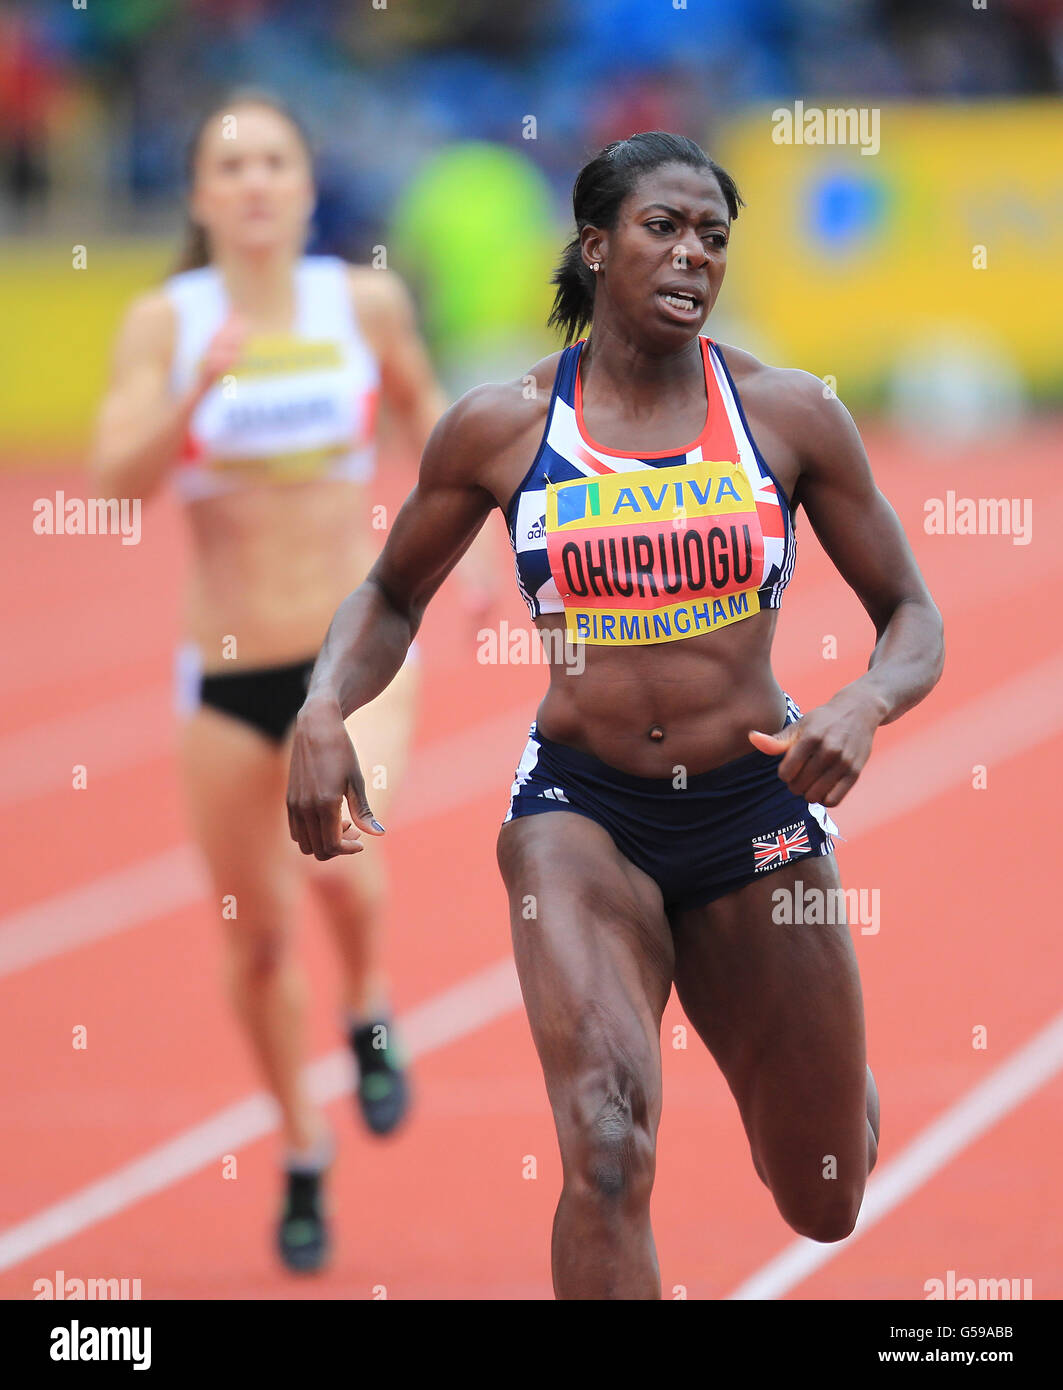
{"points": [[723, 829]]}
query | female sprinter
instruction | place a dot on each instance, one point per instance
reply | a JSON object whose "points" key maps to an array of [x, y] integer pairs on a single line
{"points": [[251, 380], [645, 833]]}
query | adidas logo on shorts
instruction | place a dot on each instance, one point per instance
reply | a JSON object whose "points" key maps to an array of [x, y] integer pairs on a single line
{"points": [[554, 794]]}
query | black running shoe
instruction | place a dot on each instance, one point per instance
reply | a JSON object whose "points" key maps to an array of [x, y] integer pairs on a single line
{"points": [[383, 1088], [302, 1235]]}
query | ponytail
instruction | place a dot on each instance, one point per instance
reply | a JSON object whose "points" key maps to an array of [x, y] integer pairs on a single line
{"points": [[194, 252], [574, 301]]}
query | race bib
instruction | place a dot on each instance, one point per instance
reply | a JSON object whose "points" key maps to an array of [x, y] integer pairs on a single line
{"points": [[655, 555]]}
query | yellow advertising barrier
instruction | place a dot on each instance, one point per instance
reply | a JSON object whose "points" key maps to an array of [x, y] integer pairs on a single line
{"points": [[59, 327], [842, 262], [844, 259]]}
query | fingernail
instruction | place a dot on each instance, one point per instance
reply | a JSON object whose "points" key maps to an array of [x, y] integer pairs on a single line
{"points": [[377, 826]]}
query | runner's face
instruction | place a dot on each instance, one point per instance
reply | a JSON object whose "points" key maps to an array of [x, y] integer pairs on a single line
{"points": [[670, 241], [253, 186]]}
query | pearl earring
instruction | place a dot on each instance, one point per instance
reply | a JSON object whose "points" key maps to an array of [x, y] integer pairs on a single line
{"points": [[596, 266]]}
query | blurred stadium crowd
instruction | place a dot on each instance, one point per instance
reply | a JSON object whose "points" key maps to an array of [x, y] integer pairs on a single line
{"points": [[448, 133], [96, 102]]}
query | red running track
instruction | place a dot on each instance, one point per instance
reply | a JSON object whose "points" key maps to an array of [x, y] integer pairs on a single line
{"points": [[105, 928]]}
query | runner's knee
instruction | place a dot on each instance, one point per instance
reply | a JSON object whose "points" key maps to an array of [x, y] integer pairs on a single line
{"points": [[258, 933], [257, 955], [825, 1218], [608, 1144]]}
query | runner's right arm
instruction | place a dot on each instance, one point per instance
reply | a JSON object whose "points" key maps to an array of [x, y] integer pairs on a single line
{"points": [[373, 627], [142, 427]]}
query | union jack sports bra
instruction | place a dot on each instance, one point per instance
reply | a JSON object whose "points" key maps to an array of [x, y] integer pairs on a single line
{"points": [[653, 547]]}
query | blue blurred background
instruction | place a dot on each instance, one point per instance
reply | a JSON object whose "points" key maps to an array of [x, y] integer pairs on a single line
{"points": [[450, 132]]}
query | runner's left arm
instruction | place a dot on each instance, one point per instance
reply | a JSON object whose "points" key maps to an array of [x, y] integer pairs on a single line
{"points": [[826, 750]]}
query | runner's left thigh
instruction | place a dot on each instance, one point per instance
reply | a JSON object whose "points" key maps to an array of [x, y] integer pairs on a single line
{"points": [[779, 1006]]}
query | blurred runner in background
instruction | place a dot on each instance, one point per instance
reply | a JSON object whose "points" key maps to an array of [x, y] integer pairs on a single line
{"points": [[251, 381]]}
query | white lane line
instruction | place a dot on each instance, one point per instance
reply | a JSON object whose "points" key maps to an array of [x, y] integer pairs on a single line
{"points": [[1008, 720], [458, 769], [444, 775], [126, 898], [987, 723], [105, 738], [118, 734], [1014, 1081], [1002, 722], [456, 1012]]}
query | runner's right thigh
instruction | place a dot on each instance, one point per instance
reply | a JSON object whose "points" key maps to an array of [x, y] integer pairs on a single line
{"points": [[594, 955], [234, 783]]}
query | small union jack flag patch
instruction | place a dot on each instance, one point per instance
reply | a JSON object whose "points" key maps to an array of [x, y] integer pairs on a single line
{"points": [[770, 851]]}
